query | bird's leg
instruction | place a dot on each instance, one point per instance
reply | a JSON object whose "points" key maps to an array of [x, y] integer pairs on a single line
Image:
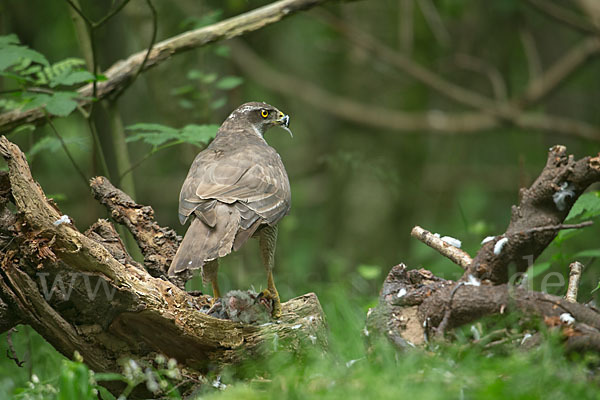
{"points": [[267, 241], [209, 274]]}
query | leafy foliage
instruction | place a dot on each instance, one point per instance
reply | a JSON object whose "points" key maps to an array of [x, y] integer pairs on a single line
{"points": [[586, 207], [564, 249], [52, 144], [204, 91], [12, 53], [35, 79], [160, 135]]}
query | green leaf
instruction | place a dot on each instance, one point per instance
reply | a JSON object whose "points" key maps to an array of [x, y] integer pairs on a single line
{"points": [[229, 82], [198, 134], [72, 78], [157, 134], [34, 100], [369, 271], [9, 104], [152, 134], [109, 376], [587, 206], [565, 235], [61, 104], [11, 55], [148, 127], [538, 269], [51, 144], [8, 39], [24, 128], [188, 105], [106, 395], [181, 90], [588, 253], [194, 74], [198, 75], [223, 51], [218, 103], [74, 382]]}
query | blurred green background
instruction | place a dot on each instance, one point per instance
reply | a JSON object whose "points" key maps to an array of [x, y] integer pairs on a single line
{"points": [[357, 188]]}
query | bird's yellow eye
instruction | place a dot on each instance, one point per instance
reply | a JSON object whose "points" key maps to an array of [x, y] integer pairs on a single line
{"points": [[264, 113]]}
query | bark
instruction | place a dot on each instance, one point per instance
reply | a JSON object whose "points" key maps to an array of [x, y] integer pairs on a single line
{"points": [[83, 292], [538, 208], [157, 244], [415, 305]]}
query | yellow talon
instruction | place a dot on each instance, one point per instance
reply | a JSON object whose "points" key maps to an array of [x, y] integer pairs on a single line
{"points": [[273, 296]]}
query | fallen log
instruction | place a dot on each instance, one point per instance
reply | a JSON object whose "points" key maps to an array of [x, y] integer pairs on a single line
{"points": [[84, 293]]}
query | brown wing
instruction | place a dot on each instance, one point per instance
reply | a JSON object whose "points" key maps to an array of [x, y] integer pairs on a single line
{"points": [[253, 178]]}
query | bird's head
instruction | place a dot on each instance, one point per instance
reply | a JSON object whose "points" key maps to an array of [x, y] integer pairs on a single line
{"points": [[261, 116]]}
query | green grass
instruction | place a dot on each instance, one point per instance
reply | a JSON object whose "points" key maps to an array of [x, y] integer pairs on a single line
{"points": [[459, 370]]}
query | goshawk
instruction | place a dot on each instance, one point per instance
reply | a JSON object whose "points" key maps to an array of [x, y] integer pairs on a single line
{"points": [[236, 188]]}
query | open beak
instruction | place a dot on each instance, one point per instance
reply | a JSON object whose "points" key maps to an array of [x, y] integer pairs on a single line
{"points": [[284, 122]]}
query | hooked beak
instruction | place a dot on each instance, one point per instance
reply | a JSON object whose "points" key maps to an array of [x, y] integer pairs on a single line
{"points": [[284, 122]]}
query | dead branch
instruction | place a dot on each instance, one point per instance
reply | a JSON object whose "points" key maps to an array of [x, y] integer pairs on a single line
{"points": [[553, 77], [414, 69], [367, 114], [503, 111], [157, 244], [545, 204], [49, 269], [575, 270], [564, 16], [120, 73], [413, 303], [455, 254], [11, 353], [480, 66]]}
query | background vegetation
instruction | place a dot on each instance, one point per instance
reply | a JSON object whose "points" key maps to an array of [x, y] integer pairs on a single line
{"points": [[358, 188]]}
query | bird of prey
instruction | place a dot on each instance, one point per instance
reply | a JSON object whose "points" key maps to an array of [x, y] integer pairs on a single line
{"points": [[235, 189]]}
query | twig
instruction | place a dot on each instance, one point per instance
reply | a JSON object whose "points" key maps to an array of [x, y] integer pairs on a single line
{"points": [[563, 15], [91, 27], [532, 55], [417, 71], [456, 255], [150, 47], [10, 352], [367, 114], [550, 80], [576, 268], [103, 20], [504, 111], [405, 30], [432, 16], [555, 228], [110, 14], [478, 65], [68, 153], [98, 146], [123, 70], [497, 260], [441, 328], [78, 10]]}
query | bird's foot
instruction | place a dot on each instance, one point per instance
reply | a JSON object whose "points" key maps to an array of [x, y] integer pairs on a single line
{"points": [[214, 302], [274, 297]]}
